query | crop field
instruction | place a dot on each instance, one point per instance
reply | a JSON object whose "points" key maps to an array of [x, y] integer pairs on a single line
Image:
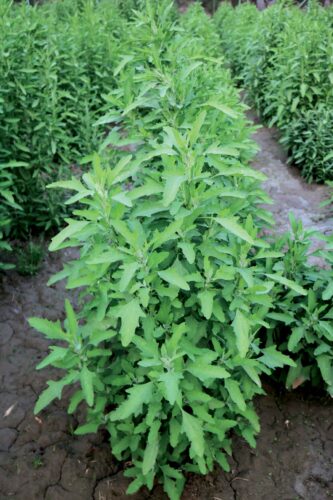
{"points": [[166, 282]]}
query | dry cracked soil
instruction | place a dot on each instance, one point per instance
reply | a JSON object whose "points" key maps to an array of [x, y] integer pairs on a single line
{"points": [[40, 458]]}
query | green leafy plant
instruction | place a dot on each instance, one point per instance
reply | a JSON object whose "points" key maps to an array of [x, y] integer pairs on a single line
{"points": [[302, 327], [37, 462], [165, 350], [7, 203]]}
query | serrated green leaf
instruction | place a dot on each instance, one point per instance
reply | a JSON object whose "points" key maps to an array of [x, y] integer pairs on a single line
{"points": [[196, 127], [130, 315], [90, 428], [223, 108], [207, 301], [328, 292], [188, 251], [73, 228], [129, 271], [231, 225], [235, 394], [71, 319], [175, 429], [325, 363], [288, 283], [52, 392], [275, 359], [171, 385], [241, 328], [252, 373], [50, 329], [205, 371], [172, 276], [296, 335], [223, 151], [193, 430], [138, 396], [151, 451], [57, 354], [135, 485], [76, 399]]}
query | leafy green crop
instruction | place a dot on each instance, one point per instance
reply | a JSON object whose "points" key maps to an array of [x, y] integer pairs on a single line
{"points": [[7, 204], [56, 61], [283, 57], [165, 350], [301, 327]]}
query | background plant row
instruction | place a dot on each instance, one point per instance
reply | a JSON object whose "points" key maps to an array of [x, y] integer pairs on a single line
{"points": [[283, 56], [56, 62]]}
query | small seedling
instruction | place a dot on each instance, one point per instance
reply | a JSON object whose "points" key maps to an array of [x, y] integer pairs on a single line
{"points": [[30, 258], [37, 462]]}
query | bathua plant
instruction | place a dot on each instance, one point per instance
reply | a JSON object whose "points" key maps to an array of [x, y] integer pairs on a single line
{"points": [[7, 204], [165, 350], [302, 327], [167, 357]]}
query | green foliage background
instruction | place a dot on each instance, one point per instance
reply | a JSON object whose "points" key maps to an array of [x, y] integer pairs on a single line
{"points": [[283, 58], [56, 62]]}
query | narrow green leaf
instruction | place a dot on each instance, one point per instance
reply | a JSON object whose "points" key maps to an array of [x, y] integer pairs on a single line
{"points": [[235, 394], [171, 189], [241, 328], [86, 379], [275, 359], [223, 108], [296, 335], [57, 354], [231, 224], [194, 432], [288, 283], [151, 451], [205, 372], [71, 318]]}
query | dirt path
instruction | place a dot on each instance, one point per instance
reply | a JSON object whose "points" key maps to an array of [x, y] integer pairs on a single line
{"points": [[40, 458], [285, 186]]}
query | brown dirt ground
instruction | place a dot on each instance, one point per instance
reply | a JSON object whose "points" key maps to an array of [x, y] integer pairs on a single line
{"points": [[287, 189], [40, 458]]}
